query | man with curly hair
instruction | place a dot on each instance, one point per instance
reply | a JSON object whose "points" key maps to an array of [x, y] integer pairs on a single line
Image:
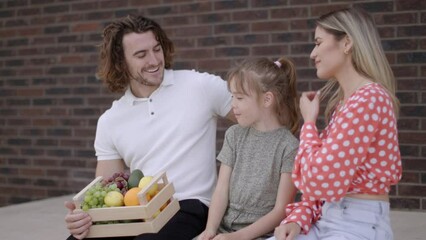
{"points": [[166, 120]]}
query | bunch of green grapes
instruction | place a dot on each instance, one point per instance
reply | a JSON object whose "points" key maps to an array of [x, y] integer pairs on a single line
{"points": [[94, 197]]}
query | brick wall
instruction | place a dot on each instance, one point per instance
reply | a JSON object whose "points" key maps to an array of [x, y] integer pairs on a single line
{"points": [[50, 98]]}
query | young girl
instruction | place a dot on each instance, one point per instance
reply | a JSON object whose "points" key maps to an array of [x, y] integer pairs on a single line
{"points": [[352, 164], [254, 183]]}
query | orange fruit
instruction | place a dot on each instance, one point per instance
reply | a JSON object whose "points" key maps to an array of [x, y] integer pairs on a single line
{"points": [[131, 197]]}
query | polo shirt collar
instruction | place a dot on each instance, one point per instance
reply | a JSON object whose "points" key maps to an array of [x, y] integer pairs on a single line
{"points": [[167, 81]]}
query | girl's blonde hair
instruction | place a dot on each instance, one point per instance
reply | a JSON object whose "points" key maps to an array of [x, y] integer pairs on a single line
{"points": [[368, 57], [262, 75]]}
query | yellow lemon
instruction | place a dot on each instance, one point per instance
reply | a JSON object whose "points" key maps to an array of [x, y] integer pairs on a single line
{"points": [[114, 199], [145, 181]]}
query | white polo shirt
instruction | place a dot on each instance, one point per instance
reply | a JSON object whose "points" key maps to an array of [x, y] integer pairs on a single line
{"points": [[174, 130]]}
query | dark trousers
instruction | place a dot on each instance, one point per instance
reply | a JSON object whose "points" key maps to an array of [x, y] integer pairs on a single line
{"points": [[186, 224]]}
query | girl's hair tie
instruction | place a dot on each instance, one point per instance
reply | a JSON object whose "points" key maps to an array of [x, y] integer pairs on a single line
{"points": [[278, 63]]}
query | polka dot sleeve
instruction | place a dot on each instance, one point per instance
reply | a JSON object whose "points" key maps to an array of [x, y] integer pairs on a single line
{"points": [[357, 153], [304, 213]]}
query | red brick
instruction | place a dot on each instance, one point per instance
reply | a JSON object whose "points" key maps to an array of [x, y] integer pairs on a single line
{"points": [[231, 28], [289, 37], [71, 59], [84, 6], [403, 5], [25, 12], [408, 124], [277, 50], [288, 13], [30, 92], [214, 18], [319, 10], [411, 31], [44, 122], [227, 5], [195, 53], [410, 177], [179, 20], [250, 15], [412, 190], [305, 24], [30, 172], [412, 137], [192, 31], [231, 51], [405, 203], [214, 64], [396, 18], [198, 7], [112, 4], [386, 32], [85, 27], [144, 3], [214, 41], [404, 71]]}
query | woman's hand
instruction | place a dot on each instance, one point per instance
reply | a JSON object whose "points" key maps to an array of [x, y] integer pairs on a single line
{"points": [[287, 231], [77, 222], [309, 106]]}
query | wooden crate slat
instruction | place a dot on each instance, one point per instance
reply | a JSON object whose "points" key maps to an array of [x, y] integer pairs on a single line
{"points": [[165, 215], [119, 229], [133, 229], [161, 198]]}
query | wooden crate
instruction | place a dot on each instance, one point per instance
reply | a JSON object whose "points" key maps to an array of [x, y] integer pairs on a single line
{"points": [[145, 211]]}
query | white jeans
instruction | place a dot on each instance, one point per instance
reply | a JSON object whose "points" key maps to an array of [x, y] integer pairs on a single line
{"points": [[352, 219]]}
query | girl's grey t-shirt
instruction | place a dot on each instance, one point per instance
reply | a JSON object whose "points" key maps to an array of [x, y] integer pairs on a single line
{"points": [[257, 160]]}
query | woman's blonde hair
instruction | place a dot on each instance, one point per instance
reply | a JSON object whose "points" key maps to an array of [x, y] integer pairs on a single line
{"points": [[368, 57], [262, 75]]}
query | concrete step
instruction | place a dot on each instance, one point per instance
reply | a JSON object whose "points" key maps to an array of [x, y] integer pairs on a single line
{"points": [[44, 219]]}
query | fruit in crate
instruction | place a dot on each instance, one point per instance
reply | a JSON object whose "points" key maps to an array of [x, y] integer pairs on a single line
{"points": [[131, 197], [145, 181], [94, 197], [135, 176], [114, 199], [120, 180]]}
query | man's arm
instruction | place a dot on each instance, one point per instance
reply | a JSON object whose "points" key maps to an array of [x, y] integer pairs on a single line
{"points": [[107, 168]]}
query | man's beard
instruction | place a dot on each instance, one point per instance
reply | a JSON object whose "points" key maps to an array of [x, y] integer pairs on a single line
{"points": [[140, 79]]}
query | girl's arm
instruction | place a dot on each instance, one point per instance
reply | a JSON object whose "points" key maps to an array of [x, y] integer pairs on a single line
{"points": [[219, 202], [286, 194]]}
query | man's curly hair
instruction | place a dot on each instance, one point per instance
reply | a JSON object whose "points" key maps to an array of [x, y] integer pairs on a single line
{"points": [[112, 67]]}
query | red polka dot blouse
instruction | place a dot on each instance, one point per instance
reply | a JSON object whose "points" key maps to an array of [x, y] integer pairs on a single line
{"points": [[357, 152]]}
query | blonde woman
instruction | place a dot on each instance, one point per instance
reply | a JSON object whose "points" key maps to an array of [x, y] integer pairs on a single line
{"points": [[345, 172]]}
